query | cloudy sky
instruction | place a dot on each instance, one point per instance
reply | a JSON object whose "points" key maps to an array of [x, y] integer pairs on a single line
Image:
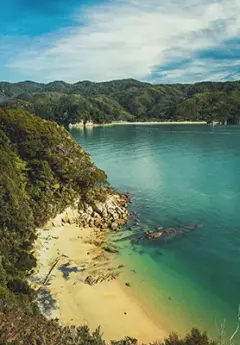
{"points": [[160, 41]]}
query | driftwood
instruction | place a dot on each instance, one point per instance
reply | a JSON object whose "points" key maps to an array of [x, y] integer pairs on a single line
{"points": [[50, 271]]}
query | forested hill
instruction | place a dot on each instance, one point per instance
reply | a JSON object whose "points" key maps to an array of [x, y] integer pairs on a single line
{"points": [[43, 170], [126, 99]]}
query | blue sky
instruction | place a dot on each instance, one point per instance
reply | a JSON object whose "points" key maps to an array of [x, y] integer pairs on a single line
{"points": [[156, 40]]}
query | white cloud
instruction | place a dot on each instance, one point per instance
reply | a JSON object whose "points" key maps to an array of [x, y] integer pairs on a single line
{"points": [[124, 39], [198, 70]]}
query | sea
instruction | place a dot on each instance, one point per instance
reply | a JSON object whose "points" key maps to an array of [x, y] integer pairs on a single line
{"points": [[178, 177]]}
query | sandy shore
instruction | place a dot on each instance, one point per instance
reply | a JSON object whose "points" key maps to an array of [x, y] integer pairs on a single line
{"points": [[158, 123], [119, 123], [74, 254]]}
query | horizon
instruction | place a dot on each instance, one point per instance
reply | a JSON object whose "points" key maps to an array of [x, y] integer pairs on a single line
{"points": [[103, 40]]}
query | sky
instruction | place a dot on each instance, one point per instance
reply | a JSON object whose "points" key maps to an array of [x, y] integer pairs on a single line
{"points": [[158, 41]]}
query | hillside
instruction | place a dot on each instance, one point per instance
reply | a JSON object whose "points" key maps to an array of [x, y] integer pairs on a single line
{"points": [[43, 170], [128, 100], [38, 179]]}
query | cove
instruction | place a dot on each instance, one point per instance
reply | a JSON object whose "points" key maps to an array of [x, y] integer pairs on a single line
{"points": [[178, 175]]}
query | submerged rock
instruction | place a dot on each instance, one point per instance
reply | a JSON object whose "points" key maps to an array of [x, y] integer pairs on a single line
{"points": [[170, 233], [111, 249], [150, 235]]}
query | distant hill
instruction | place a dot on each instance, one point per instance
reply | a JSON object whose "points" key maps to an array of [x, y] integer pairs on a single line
{"points": [[126, 99]]}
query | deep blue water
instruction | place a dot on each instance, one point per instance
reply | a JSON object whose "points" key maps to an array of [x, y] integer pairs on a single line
{"points": [[179, 175]]}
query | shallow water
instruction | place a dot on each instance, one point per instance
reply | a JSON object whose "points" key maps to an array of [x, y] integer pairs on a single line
{"points": [[179, 175]]}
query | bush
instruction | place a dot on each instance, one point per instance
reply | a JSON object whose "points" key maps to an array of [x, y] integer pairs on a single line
{"points": [[42, 170]]}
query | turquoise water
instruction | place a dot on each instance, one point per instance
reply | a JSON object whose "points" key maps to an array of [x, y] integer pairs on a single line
{"points": [[179, 175]]}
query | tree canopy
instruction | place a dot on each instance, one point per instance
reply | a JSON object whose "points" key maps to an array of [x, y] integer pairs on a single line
{"points": [[128, 100]]}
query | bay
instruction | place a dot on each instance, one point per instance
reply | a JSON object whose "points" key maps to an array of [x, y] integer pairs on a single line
{"points": [[179, 175]]}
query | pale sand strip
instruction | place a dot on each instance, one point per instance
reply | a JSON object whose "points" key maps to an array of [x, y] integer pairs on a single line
{"points": [[158, 123], [109, 304], [119, 123]]}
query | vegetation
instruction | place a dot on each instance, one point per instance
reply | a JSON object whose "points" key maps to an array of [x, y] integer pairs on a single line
{"points": [[128, 100], [27, 330], [42, 170]]}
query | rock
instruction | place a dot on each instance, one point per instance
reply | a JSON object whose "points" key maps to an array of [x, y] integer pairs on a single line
{"points": [[47, 226], [90, 280], [115, 217], [105, 214], [153, 234], [159, 228], [114, 226], [91, 223], [111, 249], [128, 284], [56, 223], [97, 223], [98, 207], [90, 210], [110, 214]]}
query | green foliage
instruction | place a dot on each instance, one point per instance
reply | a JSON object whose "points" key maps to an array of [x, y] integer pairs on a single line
{"points": [[211, 106], [42, 170], [128, 100], [195, 337], [29, 330]]}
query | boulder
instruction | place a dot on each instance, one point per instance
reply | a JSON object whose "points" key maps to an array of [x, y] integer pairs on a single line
{"points": [[153, 234], [90, 280], [111, 249], [114, 226]]}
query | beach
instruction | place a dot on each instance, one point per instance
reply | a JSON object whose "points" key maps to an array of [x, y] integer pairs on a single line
{"points": [[119, 123], [72, 255], [158, 123]]}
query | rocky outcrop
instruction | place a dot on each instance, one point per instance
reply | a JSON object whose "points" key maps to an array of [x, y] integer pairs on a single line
{"points": [[109, 214], [150, 235], [170, 233], [93, 280]]}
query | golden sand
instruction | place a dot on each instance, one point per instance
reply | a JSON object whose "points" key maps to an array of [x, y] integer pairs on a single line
{"points": [[79, 253]]}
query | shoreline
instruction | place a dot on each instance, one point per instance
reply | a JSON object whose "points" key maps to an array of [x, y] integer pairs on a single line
{"points": [[109, 304], [124, 123]]}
